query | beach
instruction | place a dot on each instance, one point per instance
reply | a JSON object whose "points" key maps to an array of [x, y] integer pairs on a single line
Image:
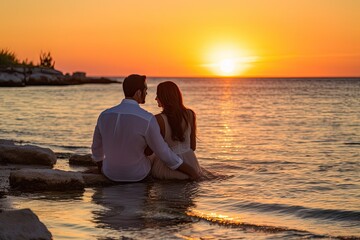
{"points": [[285, 152]]}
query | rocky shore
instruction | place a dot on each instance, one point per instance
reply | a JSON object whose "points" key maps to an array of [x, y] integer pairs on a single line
{"points": [[22, 224], [30, 76], [28, 168]]}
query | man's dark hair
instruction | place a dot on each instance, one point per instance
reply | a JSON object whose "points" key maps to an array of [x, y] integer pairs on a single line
{"points": [[132, 83]]}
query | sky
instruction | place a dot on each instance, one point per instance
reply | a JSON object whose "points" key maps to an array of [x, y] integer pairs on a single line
{"points": [[187, 38]]}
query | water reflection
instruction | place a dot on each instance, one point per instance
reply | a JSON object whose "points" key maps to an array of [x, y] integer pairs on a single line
{"points": [[124, 205], [143, 205]]}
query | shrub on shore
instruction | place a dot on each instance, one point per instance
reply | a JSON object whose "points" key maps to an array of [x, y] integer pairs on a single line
{"points": [[46, 60], [9, 59]]}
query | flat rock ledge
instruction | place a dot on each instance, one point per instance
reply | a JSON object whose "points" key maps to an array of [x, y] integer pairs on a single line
{"points": [[82, 160], [6, 142], [26, 154], [22, 224], [54, 180]]}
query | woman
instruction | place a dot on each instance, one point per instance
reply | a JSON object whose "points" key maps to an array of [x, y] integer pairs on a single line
{"points": [[178, 127]]}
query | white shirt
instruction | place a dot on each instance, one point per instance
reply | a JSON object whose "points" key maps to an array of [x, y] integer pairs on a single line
{"points": [[120, 138]]}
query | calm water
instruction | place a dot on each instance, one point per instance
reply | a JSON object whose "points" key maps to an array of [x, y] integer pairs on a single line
{"points": [[287, 153]]}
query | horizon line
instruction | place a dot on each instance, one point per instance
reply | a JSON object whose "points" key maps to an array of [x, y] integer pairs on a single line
{"points": [[229, 77]]}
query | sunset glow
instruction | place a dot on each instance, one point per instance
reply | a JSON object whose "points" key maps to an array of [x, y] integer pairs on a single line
{"points": [[187, 38], [231, 66], [227, 66], [229, 59]]}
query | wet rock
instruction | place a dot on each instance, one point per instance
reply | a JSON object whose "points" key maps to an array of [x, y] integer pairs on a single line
{"points": [[6, 142], [83, 160], [92, 180], [4, 181], [22, 224], [46, 179], [54, 180], [26, 154], [61, 155]]}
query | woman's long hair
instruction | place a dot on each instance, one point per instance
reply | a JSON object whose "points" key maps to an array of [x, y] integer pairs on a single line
{"points": [[171, 99]]}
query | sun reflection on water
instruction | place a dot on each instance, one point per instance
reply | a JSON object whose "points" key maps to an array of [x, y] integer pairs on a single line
{"points": [[214, 217]]}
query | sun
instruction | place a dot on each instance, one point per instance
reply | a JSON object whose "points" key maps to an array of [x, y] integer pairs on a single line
{"points": [[228, 60], [227, 66], [231, 66]]}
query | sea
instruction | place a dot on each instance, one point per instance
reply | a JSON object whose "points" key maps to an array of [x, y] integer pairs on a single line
{"points": [[284, 152]]}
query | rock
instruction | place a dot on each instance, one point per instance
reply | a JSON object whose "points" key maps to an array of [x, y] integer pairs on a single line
{"points": [[27, 76], [46, 179], [4, 181], [22, 224], [55, 180], [45, 76], [45, 70], [6, 142], [12, 79], [83, 160], [60, 155], [92, 180], [45, 79], [26, 154]]}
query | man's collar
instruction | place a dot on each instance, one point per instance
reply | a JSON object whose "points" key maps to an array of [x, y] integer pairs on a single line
{"points": [[130, 101]]}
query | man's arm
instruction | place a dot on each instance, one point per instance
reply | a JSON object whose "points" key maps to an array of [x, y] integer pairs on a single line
{"points": [[97, 147], [188, 170], [148, 151], [162, 150]]}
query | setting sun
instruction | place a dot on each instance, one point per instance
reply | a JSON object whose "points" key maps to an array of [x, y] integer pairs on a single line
{"points": [[227, 66], [229, 58], [231, 62], [233, 66]]}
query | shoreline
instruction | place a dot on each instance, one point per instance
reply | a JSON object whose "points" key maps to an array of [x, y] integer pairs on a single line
{"points": [[41, 76]]}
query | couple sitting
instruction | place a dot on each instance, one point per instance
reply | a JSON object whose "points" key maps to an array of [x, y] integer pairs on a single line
{"points": [[130, 143]]}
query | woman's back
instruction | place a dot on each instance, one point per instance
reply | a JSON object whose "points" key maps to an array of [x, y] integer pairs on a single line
{"points": [[177, 146], [182, 149]]}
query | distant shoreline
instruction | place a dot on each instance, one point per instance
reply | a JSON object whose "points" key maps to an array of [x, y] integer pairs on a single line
{"points": [[41, 76]]}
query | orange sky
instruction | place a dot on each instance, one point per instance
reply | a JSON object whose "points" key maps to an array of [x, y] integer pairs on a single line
{"points": [[187, 37]]}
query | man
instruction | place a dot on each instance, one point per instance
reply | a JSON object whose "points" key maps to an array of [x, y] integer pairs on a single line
{"points": [[123, 132]]}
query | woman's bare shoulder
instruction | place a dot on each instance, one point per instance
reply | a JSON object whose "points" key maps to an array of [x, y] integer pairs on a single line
{"points": [[161, 123], [190, 112]]}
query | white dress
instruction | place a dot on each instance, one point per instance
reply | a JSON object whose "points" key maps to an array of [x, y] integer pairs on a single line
{"points": [[182, 149]]}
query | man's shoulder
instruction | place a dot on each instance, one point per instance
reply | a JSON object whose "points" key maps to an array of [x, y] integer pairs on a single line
{"points": [[130, 109], [109, 110], [144, 114]]}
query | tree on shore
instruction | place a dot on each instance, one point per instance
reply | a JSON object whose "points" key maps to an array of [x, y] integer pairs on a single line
{"points": [[8, 58], [27, 63], [46, 60]]}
